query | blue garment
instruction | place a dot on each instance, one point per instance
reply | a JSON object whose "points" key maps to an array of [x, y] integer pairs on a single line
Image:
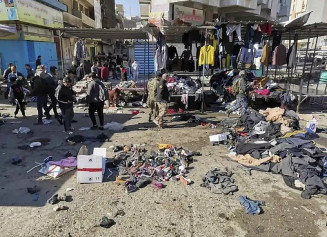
{"points": [[252, 207], [324, 160], [246, 55]]}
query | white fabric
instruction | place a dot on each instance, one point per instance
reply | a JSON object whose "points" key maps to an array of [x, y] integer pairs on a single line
{"points": [[230, 28], [161, 58]]}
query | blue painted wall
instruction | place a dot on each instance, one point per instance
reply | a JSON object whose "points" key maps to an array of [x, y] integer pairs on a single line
{"points": [[21, 52]]}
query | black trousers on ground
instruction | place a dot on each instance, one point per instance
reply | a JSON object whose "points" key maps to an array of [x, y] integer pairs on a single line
{"points": [[96, 107], [20, 106]]}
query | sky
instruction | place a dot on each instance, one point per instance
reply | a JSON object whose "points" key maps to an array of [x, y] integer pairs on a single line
{"points": [[131, 7]]}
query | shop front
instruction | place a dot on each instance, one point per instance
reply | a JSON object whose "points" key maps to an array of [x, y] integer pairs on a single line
{"points": [[34, 24]]}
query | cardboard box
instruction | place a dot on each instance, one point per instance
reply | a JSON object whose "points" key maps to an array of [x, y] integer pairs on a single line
{"points": [[91, 168]]}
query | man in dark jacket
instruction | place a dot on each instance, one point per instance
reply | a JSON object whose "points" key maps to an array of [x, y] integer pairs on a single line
{"points": [[5, 75], [97, 94], [80, 72], [51, 88], [66, 100], [17, 92], [38, 62], [40, 91], [162, 100], [13, 76]]}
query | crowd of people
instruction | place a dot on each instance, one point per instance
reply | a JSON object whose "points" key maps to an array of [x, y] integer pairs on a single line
{"points": [[45, 86], [49, 90]]}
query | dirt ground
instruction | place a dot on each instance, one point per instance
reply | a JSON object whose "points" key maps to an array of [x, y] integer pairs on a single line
{"points": [[176, 210]]}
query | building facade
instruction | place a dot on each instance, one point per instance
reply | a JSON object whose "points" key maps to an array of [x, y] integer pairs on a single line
{"points": [[207, 10], [35, 22]]}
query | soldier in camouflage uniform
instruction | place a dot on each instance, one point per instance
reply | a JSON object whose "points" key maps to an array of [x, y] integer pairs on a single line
{"points": [[152, 95], [162, 100]]}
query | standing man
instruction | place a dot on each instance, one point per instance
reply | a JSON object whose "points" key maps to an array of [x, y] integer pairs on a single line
{"points": [[135, 70], [66, 100], [51, 89], [12, 77], [97, 95], [152, 95], [162, 100], [40, 91], [80, 72], [38, 62], [94, 68], [105, 72], [17, 92], [29, 71], [5, 75]]}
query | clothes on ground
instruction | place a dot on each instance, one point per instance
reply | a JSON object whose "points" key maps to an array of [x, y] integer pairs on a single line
{"points": [[248, 160], [252, 207], [219, 182]]}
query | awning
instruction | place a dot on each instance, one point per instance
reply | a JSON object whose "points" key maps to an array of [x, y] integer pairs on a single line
{"points": [[6, 30], [306, 31], [104, 34], [299, 21]]}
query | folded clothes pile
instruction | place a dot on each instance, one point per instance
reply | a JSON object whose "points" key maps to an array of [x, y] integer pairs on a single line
{"points": [[272, 141]]}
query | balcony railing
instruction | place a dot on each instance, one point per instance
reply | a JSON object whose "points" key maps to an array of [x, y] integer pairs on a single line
{"points": [[88, 21]]}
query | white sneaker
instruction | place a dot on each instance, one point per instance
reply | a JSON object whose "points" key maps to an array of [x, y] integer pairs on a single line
{"points": [[156, 122]]}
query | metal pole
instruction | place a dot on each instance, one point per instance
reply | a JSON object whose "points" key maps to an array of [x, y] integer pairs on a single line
{"points": [[306, 54], [61, 52], [288, 68], [144, 59], [300, 95], [204, 64], [314, 54], [148, 58]]}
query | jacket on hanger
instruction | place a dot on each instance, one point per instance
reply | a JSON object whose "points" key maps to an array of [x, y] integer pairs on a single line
{"points": [[230, 28], [247, 54], [207, 55], [291, 56], [265, 57], [279, 57], [161, 57]]}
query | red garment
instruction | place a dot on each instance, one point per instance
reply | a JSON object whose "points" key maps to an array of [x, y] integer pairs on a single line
{"points": [[279, 57], [266, 28], [263, 92], [104, 73]]}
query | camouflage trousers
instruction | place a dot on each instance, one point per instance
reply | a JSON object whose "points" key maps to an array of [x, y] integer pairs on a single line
{"points": [[153, 109], [162, 111]]}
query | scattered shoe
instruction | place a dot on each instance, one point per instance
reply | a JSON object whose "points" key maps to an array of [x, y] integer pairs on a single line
{"points": [[60, 208], [94, 127], [53, 200], [130, 188], [106, 222], [156, 184]]}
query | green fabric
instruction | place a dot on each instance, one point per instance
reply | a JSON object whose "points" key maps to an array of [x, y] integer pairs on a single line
{"points": [[152, 87]]}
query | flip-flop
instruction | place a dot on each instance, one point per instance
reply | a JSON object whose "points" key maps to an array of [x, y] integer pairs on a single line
{"points": [[106, 222]]}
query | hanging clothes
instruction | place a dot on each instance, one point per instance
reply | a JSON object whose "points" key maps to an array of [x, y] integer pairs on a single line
{"points": [[230, 28], [291, 56], [246, 54], [277, 39], [265, 57], [207, 54], [266, 28], [249, 34], [80, 50], [257, 37], [172, 52], [161, 57], [213, 40], [279, 57], [228, 61]]}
